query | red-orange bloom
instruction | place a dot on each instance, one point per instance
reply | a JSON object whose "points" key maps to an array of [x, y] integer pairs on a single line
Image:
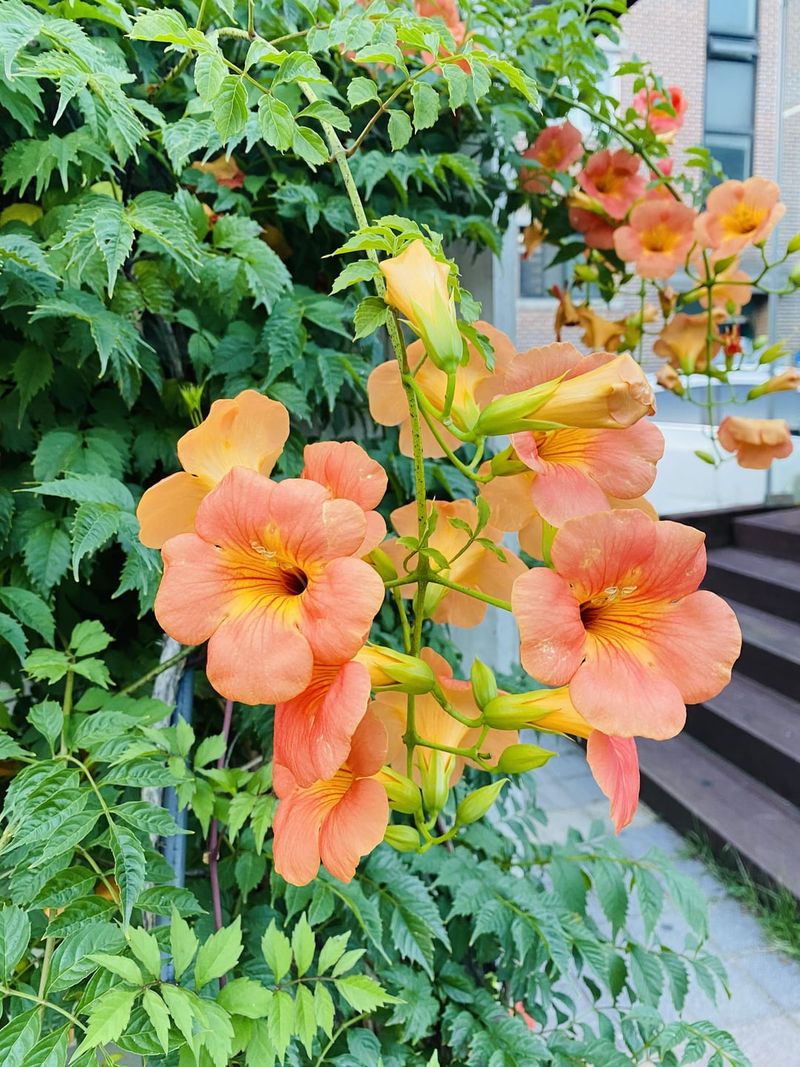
{"points": [[348, 473], [335, 821], [684, 342], [555, 149], [475, 386], [657, 237], [649, 104], [620, 620], [739, 213], [597, 231], [248, 431], [477, 567], [269, 580], [613, 179], [756, 442]]}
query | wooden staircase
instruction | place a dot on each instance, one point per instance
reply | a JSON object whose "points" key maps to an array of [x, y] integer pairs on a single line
{"points": [[734, 774]]}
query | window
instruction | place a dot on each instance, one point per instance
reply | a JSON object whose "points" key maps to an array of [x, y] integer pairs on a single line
{"points": [[730, 84], [536, 279]]}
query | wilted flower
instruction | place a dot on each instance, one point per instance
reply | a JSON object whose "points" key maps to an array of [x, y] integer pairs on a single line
{"points": [[684, 342], [756, 442], [785, 382]]}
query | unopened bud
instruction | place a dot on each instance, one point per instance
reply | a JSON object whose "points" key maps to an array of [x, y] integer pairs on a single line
{"points": [[404, 796], [794, 274], [484, 683], [436, 782], [506, 462], [511, 711], [586, 272], [517, 759], [383, 564], [793, 245], [475, 806], [769, 355], [396, 670], [402, 838]]}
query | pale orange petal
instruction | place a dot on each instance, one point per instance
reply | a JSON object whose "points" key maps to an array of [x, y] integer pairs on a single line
{"points": [[248, 431], [615, 765], [347, 471], [552, 636], [169, 507], [354, 827]]}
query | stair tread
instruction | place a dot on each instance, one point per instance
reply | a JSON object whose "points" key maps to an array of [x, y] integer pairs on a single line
{"points": [[762, 826], [759, 711], [776, 635], [784, 519], [764, 568]]}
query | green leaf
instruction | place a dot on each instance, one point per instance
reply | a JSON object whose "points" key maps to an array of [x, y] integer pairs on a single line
{"points": [[360, 90], [219, 954], [325, 111], [12, 632], [364, 270], [108, 1017], [457, 85], [277, 951], [120, 965], [209, 750], [229, 107], [113, 235], [92, 527], [89, 637], [183, 943], [158, 1015], [47, 554], [180, 1005], [303, 945], [18, 1037], [324, 1011], [64, 887], [32, 371], [651, 899], [15, 932], [148, 817], [399, 129], [51, 1051], [331, 951], [305, 1022], [145, 948], [129, 868], [370, 314], [243, 996], [281, 1021], [209, 74], [48, 718], [71, 960], [164, 24], [363, 993], [308, 145], [611, 892], [426, 105], [47, 664], [276, 122], [249, 871], [30, 609]]}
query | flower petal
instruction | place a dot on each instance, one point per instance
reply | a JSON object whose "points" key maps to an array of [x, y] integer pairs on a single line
{"points": [[169, 507], [248, 431], [552, 637], [296, 830], [195, 593], [346, 469], [314, 730], [338, 607], [387, 400], [354, 827], [623, 692], [600, 551], [259, 657], [615, 765]]}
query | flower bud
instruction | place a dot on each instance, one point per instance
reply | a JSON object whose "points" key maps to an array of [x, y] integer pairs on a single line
{"points": [[794, 274], [475, 805], [484, 683], [793, 245], [383, 564], [785, 382], [417, 286], [404, 796], [769, 355], [668, 378], [402, 838], [506, 462], [396, 670], [613, 395], [436, 782], [517, 759]]}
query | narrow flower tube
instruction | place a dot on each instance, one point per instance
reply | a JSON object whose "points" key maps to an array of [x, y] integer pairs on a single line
{"points": [[417, 286], [785, 382], [396, 670]]}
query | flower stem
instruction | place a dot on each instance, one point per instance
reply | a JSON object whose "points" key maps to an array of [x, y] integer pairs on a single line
{"points": [[158, 669], [476, 594], [213, 836]]}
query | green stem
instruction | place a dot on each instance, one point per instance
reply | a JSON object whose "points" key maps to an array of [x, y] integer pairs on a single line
{"points": [[49, 946], [69, 686], [7, 992], [476, 594], [158, 669], [337, 1034]]}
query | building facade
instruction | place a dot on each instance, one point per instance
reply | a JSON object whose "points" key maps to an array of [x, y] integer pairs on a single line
{"points": [[738, 63]]}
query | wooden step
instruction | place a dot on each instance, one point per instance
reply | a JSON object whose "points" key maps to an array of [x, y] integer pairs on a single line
{"points": [[756, 729], [770, 649], [695, 788], [775, 533], [765, 582]]}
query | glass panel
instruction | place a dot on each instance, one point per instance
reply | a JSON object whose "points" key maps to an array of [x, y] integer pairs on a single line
{"points": [[535, 277], [733, 152], [729, 95], [737, 17]]}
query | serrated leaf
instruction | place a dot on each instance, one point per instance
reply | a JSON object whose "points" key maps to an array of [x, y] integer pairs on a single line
{"points": [[145, 948], [219, 954], [426, 105], [229, 107], [276, 122], [399, 129], [280, 1021], [360, 90], [209, 750], [12, 632], [30, 609], [245, 997], [48, 718], [71, 960], [47, 554], [108, 1017], [47, 664], [325, 111], [363, 993], [331, 951], [183, 943], [15, 932], [369, 316], [277, 951], [209, 74], [129, 868], [18, 1037], [120, 965], [92, 527], [158, 1015], [32, 371], [308, 145], [51, 1051], [303, 945], [88, 637]]}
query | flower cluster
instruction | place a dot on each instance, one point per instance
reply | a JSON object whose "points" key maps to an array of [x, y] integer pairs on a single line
{"points": [[283, 579], [663, 230]]}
